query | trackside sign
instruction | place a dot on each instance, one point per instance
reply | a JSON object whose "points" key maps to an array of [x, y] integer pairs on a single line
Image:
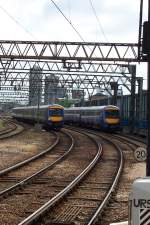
{"points": [[140, 154], [139, 202]]}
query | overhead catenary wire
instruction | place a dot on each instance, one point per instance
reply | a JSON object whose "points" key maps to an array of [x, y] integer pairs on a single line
{"points": [[70, 23], [17, 22], [58, 8], [98, 21]]}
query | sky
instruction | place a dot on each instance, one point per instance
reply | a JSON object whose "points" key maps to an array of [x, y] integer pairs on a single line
{"points": [[95, 20]]}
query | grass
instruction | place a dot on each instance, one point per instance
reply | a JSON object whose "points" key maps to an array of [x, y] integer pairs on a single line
{"points": [[1, 123]]}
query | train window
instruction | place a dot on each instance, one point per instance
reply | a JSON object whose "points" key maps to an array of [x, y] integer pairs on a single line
{"points": [[55, 112], [112, 113], [97, 113]]}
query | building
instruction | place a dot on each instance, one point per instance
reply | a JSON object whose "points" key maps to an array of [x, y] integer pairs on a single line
{"points": [[35, 86], [77, 94], [95, 100], [52, 90]]}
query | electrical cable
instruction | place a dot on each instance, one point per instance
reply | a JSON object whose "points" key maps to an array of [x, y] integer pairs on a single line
{"points": [[17, 22], [99, 23], [68, 21]]}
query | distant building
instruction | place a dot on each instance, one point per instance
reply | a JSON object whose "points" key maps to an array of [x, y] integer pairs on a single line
{"points": [[95, 100], [98, 96], [77, 94], [35, 86], [52, 90]]}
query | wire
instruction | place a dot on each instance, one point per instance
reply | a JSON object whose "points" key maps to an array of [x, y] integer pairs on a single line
{"points": [[68, 21], [17, 22], [69, 10], [99, 23]]}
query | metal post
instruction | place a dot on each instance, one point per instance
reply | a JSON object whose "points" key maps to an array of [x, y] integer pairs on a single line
{"points": [[38, 106], [132, 70], [148, 104], [115, 93], [140, 28], [139, 101], [114, 87]]}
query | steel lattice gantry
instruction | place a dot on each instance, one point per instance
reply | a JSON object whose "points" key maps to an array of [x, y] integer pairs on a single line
{"points": [[78, 65], [88, 51]]}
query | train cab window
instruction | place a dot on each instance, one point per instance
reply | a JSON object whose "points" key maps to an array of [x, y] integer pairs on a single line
{"points": [[112, 113], [55, 112]]}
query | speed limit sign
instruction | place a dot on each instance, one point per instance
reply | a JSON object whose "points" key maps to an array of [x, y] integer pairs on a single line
{"points": [[140, 154]]}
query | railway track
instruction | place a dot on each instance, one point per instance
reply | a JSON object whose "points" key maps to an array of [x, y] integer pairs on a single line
{"points": [[41, 181], [117, 210], [133, 144], [136, 138], [51, 182], [77, 203], [10, 130], [81, 204], [23, 172]]}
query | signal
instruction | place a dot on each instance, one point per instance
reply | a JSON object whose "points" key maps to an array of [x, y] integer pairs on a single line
{"points": [[146, 38]]}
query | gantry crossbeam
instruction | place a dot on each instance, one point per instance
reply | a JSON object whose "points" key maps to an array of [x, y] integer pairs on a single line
{"points": [[80, 51], [79, 65], [23, 66]]}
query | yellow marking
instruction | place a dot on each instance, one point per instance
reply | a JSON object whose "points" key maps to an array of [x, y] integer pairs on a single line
{"points": [[56, 107], [112, 120], [55, 118], [111, 109]]}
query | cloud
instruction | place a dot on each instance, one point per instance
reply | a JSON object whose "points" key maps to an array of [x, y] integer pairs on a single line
{"points": [[40, 20], [118, 19]]}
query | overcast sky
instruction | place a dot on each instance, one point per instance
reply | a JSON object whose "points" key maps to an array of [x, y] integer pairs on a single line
{"points": [[40, 20], [117, 21]]}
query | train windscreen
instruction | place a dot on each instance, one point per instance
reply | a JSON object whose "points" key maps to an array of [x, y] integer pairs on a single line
{"points": [[112, 113], [55, 112]]}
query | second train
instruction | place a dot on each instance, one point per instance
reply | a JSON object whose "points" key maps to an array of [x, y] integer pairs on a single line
{"points": [[105, 118]]}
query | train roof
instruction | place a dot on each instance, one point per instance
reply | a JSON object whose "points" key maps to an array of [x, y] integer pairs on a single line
{"points": [[93, 107], [41, 106]]}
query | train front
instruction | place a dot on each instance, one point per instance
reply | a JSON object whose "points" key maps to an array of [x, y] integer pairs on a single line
{"points": [[55, 117], [112, 119]]}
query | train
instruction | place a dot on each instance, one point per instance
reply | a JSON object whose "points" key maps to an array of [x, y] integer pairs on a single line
{"points": [[139, 123], [106, 118], [50, 116]]}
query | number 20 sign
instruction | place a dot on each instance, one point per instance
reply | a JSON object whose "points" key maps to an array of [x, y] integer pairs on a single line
{"points": [[140, 154]]}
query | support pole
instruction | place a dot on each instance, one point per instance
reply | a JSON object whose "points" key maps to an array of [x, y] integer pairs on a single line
{"points": [[132, 70], [139, 102], [114, 87], [148, 102], [115, 93], [140, 28]]}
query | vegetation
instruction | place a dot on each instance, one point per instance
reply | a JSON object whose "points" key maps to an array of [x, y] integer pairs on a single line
{"points": [[66, 102], [1, 123]]}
